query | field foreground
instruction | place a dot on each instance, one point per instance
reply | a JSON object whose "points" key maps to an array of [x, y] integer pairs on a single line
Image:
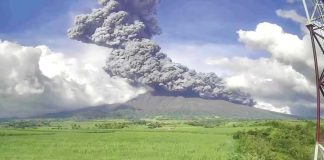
{"points": [[156, 140]]}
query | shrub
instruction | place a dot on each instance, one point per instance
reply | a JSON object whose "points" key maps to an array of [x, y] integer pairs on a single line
{"points": [[112, 125], [206, 123], [153, 125], [75, 126], [280, 141], [24, 124], [139, 122]]}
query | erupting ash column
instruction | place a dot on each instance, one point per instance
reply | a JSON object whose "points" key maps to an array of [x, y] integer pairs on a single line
{"points": [[127, 27]]}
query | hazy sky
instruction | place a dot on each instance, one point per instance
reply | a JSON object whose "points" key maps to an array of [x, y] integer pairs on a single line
{"points": [[248, 42]]}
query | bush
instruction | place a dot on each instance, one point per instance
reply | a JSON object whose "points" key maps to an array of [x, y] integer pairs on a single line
{"points": [[75, 126], [139, 122], [153, 125], [280, 141], [206, 123], [27, 124], [112, 125]]}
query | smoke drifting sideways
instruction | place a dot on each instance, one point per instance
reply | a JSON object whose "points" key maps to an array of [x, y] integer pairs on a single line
{"points": [[127, 27]]}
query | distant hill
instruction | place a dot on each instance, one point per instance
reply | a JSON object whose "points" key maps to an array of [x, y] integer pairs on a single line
{"points": [[163, 106]]}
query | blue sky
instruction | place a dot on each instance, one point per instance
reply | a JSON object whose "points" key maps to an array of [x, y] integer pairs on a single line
{"points": [[184, 23], [39, 21], [208, 27], [209, 21], [218, 20]]}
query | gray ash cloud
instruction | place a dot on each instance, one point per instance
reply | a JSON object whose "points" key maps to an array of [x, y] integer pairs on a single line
{"points": [[127, 27]]}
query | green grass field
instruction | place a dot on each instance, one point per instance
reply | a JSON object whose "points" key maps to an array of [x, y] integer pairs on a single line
{"points": [[169, 140]]}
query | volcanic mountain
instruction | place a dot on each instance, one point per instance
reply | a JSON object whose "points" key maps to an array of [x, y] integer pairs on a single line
{"points": [[127, 27], [151, 105]]}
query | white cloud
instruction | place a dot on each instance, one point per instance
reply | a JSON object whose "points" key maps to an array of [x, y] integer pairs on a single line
{"points": [[266, 79], [36, 80], [282, 82], [194, 54], [291, 1], [292, 15], [273, 39], [284, 47], [270, 107]]}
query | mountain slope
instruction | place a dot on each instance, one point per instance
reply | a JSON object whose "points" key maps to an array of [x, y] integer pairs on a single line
{"points": [[148, 105]]}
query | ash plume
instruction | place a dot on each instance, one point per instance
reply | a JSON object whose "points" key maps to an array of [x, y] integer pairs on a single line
{"points": [[127, 26]]}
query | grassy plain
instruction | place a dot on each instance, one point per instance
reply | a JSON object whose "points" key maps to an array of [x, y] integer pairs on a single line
{"points": [[126, 140]]}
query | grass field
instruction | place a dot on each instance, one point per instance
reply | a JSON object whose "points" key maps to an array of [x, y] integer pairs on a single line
{"points": [[167, 140]]}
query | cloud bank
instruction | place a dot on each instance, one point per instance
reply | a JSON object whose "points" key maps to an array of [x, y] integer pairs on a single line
{"points": [[282, 82], [36, 80], [127, 26]]}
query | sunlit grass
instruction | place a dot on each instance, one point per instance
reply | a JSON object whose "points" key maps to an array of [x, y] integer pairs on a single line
{"points": [[176, 141], [173, 140]]}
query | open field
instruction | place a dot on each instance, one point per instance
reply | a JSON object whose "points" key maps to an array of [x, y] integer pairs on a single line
{"points": [[135, 140]]}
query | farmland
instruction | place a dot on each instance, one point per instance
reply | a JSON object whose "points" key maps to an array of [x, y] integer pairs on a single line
{"points": [[155, 139]]}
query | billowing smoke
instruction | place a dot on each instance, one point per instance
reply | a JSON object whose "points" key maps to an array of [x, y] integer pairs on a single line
{"points": [[126, 26]]}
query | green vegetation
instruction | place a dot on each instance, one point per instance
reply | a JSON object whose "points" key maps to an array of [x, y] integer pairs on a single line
{"points": [[27, 124], [280, 140], [112, 125], [207, 123], [150, 139]]}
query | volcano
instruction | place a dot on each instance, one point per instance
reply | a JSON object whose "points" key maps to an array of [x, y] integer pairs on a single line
{"points": [[153, 105]]}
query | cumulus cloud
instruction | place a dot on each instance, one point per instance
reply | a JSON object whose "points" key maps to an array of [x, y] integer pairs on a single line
{"points": [[284, 80], [285, 47], [36, 80], [127, 27], [275, 86]]}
